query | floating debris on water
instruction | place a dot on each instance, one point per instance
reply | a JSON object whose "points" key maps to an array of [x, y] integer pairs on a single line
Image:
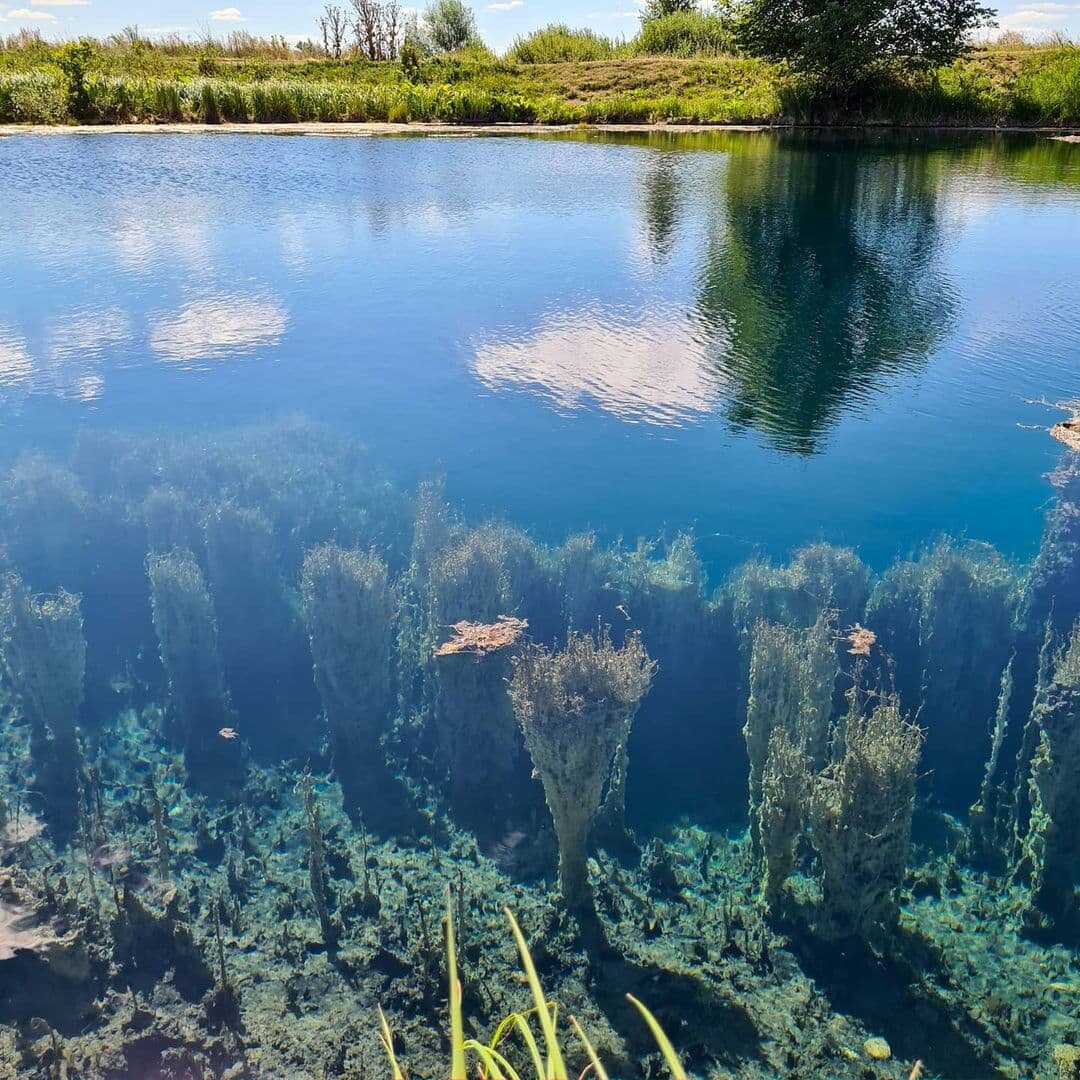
{"points": [[1068, 432], [860, 640], [483, 638]]}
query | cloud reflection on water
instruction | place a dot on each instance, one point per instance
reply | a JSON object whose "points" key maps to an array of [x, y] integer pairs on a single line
{"points": [[641, 368], [219, 327], [16, 367]]}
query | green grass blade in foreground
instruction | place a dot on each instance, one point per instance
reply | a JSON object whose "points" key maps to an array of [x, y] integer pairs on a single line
{"points": [[672, 1059], [556, 1070], [457, 1030], [387, 1039], [594, 1058], [521, 1022]]}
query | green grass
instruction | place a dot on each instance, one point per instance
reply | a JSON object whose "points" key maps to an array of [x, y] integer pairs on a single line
{"points": [[553, 76], [557, 44]]}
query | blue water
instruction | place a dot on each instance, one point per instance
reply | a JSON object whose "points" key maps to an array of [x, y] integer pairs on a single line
{"points": [[766, 337]]}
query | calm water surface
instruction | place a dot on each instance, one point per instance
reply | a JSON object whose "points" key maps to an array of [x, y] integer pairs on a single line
{"points": [[770, 338]]}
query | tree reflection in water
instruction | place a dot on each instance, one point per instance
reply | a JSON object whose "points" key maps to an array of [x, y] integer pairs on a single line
{"points": [[821, 280]]}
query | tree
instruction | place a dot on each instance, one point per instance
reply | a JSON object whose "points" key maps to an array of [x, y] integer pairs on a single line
{"points": [[657, 9], [450, 25], [334, 24], [840, 42], [377, 28]]}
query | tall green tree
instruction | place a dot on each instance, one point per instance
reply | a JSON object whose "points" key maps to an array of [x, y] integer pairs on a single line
{"points": [[449, 25], [840, 42], [657, 9]]}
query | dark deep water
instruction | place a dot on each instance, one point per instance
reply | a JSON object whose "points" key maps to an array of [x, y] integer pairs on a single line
{"points": [[768, 337], [280, 416]]}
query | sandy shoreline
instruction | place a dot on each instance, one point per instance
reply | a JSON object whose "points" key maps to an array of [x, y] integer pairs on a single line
{"points": [[346, 129], [355, 130]]}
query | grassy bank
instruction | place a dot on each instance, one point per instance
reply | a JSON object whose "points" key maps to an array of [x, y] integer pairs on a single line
{"points": [[1020, 85]]}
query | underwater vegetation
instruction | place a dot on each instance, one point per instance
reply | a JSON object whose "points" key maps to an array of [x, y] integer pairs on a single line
{"points": [[263, 709], [575, 706]]}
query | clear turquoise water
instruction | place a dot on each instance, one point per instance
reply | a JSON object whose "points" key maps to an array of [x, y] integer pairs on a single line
{"points": [[766, 337]]}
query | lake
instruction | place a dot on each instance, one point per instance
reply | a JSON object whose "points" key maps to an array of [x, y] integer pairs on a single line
{"points": [[765, 337], [324, 617]]}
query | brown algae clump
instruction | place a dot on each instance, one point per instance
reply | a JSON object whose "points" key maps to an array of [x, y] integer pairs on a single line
{"points": [[482, 638], [1068, 432]]}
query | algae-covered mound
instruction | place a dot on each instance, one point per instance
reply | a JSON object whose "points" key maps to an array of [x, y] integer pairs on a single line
{"points": [[268, 707]]}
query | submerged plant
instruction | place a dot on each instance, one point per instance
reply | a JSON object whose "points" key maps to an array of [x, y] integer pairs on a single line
{"points": [[43, 651], [1048, 610], [1050, 845], [43, 517], [820, 577], [348, 608], [792, 675], [588, 589], [477, 578], [188, 641], [546, 1056], [778, 822], [575, 707], [860, 814], [946, 621], [172, 521]]}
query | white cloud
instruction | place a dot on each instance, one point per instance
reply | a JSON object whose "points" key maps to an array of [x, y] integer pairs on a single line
{"points": [[505, 5], [33, 16], [1029, 19], [167, 30], [229, 14]]}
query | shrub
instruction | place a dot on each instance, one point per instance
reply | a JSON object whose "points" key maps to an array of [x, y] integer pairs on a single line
{"points": [[410, 60], [658, 9], [73, 59], [1048, 88], [34, 97], [684, 33], [557, 43]]}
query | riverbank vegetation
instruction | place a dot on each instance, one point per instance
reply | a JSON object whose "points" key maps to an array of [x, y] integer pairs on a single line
{"points": [[682, 67]]}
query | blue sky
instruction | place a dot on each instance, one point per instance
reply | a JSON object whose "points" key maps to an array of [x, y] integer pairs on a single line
{"points": [[499, 20]]}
